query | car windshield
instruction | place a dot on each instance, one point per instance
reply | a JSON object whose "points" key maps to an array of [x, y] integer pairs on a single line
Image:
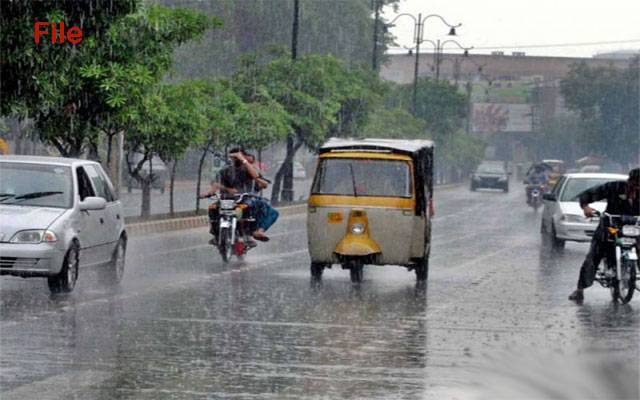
{"points": [[363, 177], [575, 186], [35, 185], [490, 169]]}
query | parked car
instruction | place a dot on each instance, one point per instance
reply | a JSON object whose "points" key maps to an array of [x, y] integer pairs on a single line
{"points": [[562, 217], [59, 215], [158, 167], [490, 175]]}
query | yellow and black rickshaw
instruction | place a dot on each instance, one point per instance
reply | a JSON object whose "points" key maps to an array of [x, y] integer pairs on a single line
{"points": [[370, 204]]}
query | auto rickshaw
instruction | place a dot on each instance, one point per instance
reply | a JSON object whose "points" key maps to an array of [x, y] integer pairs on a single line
{"points": [[557, 170], [370, 204]]}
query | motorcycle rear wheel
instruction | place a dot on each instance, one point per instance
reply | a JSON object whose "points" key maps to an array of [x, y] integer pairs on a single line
{"points": [[622, 289]]}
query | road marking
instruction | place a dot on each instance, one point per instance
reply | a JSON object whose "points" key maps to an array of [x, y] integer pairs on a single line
{"points": [[63, 386]]}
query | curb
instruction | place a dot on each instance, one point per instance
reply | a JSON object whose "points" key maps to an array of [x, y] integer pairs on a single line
{"points": [[177, 224]]}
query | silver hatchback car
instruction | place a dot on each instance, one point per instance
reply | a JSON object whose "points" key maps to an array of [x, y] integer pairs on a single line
{"points": [[57, 215]]}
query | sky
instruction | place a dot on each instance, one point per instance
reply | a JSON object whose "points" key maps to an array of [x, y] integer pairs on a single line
{"points": [[512, 23]]}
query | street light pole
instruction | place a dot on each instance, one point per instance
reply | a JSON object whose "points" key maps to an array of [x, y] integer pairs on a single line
{"points": [[418, 38]]}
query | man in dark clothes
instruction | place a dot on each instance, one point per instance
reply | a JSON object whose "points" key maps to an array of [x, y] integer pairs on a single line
{"points": [[623, 198]]}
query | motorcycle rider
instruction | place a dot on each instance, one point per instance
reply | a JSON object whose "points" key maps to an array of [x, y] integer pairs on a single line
{"points": [[240, 177], [623, 198], [536, 176]]}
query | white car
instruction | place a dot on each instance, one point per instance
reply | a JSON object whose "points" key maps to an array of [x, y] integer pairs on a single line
{"points": [[59, 215], [562, 218]]}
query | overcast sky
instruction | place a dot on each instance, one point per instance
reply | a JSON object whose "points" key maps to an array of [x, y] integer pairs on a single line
{"points": [[496, 23]]}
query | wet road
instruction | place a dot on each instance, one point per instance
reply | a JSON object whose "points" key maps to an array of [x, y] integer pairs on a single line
{"points": [[493, 322]]}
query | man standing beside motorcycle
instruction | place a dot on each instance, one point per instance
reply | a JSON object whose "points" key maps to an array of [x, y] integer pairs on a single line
{"points": [[623, 198]]}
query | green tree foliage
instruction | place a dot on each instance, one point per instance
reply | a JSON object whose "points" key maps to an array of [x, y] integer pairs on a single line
{"points": [[341, 28], [607, 100], [319, 94], [394, 123], [74, 92]]}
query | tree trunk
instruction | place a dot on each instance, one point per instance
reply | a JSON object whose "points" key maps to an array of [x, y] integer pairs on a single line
{"points": [[295, 28], [146, 197], [287, 189], [376, 23], [171, 186], [199, 182]]}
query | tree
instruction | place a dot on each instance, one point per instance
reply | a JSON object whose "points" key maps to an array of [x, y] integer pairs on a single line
{"points": [[394, 123], [606, 99], [76, 92], [313, 91]]}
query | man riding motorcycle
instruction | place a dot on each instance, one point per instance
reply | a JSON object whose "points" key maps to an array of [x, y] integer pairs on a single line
{"points": [[536, 176], [242, 177], [623, 198]]}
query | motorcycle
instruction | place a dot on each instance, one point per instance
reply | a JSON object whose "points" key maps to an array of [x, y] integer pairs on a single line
{"points": [[233, 226], [619, 270], [535, 200]]}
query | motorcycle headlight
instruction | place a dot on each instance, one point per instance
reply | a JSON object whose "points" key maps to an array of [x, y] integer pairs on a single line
{"points": [[357, 229], [573, 218], [631, 231], [33, 236]]}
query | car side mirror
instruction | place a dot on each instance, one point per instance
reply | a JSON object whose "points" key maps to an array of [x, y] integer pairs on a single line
{"points": [[549, 197], [93, 203]]}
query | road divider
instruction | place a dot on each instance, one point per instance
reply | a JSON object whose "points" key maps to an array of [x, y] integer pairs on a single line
{"points": [[137, 228]]}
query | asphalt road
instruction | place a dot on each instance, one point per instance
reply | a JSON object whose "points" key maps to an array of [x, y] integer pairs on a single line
{"points": [[493, 322]]}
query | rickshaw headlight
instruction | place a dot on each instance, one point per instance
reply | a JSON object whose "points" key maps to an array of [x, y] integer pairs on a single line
{"points": [[357, 228]]}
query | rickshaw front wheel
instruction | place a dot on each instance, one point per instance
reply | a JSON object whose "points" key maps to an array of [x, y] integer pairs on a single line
{"points": [[355, 269]]}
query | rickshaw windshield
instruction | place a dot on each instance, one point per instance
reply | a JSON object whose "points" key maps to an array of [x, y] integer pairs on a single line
{"points": [[363, 177]]}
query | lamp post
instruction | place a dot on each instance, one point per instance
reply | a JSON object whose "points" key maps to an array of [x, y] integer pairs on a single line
{"points": [[418, 38], [438, 48]]}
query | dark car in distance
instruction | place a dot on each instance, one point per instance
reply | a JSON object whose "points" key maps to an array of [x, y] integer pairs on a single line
{"points": [[490, 176]]}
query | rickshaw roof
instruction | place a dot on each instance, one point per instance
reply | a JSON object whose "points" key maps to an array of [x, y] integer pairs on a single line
{"points": [[405, 146]]}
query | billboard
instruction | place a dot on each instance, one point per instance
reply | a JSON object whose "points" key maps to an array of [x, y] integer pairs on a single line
{"points": [[501, 117]]}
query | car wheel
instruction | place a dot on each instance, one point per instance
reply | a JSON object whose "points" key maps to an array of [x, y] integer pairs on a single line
{"points": [[556, 244], [506, 189], [473, 187], [112, 274], [65, 281]]}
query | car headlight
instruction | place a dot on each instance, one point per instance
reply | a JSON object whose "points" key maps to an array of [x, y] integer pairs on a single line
{"points": [[573, 218], [357, 229], [631, 231], [34, 236], [475, 178], [502, 178]]}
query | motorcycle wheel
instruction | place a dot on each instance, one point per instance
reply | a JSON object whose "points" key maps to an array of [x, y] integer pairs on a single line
{"points": [[225, 246], [622, 289]]}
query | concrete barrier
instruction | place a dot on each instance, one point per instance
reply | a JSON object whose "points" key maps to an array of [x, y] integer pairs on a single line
{"points": [[191, 222]]}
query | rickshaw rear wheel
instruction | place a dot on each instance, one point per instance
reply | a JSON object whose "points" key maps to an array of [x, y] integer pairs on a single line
{"points": [[355, 270], [316, 271], [422, 269]]}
